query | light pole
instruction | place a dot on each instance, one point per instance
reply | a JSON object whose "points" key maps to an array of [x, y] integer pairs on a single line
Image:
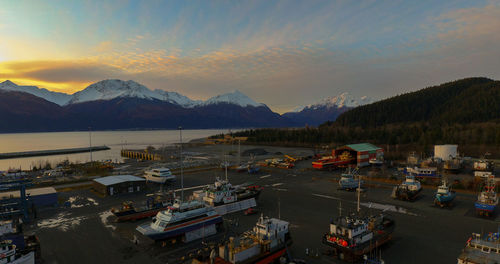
{"points": [[180, 155], [90, 144]]}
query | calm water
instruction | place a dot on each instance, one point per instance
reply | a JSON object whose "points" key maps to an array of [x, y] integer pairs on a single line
{"points": [[113, 139]]}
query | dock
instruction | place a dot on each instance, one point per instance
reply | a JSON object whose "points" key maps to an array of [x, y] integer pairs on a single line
{"points": [[36, 153]]}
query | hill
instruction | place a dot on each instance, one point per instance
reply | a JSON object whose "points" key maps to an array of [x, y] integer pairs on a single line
{"points": [[463, 101], [464, 112]]}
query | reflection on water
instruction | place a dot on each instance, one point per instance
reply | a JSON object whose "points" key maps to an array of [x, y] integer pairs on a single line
{"points": [[116, 140]]}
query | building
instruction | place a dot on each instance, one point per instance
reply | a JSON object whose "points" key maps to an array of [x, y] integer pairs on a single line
{"points": [[39, 197], [362, 152], [112, 185]]}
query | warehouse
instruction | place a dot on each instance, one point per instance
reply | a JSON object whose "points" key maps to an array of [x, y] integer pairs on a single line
{"points": [[362, 152], [112, 185], [40, 197]]}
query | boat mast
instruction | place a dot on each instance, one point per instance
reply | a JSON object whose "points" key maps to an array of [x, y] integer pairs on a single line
{"points": [[359, 190], [182, 175]]}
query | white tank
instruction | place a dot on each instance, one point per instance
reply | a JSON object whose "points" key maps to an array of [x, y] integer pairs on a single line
{"points": [[445, 152]]}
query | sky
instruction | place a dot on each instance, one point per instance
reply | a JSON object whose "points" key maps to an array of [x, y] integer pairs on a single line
{"points": [[281, 53]]}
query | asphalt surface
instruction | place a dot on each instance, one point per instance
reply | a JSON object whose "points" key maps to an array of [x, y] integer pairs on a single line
{"points": [[307, 199]]}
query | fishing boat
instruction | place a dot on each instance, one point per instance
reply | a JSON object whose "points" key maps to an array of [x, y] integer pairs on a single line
{"points": [[453, 164], [26, 246], [408, 190], [159, 175], [266, 243], [179, 219], [353, 236], [347, 180], [187, 220], [481, 249], [421, 172], [9, 254], [332, 162], [444, 195], [129, 212], [222, 192], [253, 168], [487, 200]]}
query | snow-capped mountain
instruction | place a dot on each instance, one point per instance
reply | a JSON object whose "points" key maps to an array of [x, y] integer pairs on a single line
{"points": [[327, 109], [110, 89], [340, 101], [236, 97], [54, 97]]}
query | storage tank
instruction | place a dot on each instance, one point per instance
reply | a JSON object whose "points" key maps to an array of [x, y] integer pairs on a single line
{"points": [[445, 152]]}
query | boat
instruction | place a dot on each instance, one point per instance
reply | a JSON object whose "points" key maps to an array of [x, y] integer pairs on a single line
{"points": [[483, 165], [267, 242], [408, 190], [25, 245], [444, 195], [376, 162], [347, 181], [421, 172], [129, 212], [9, 254], [332, 162], [353, 236], [253, 168], [487, 200], [185, 220], [481, 249], [222, 192], [159, 175], [179, 219], [453, 164]]}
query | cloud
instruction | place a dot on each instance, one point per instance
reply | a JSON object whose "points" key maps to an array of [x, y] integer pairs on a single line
{"points": [[104, 46]]}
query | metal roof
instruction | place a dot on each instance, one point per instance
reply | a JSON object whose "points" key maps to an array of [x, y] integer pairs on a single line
{"points": [[110, 180], [363, 147], [30, 192]]}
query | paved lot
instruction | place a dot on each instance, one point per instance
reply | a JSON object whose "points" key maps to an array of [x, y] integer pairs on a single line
{"points": [[307, 199]]}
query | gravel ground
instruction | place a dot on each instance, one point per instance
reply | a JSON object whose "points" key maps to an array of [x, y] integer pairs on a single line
{"points": [[85, 233]]}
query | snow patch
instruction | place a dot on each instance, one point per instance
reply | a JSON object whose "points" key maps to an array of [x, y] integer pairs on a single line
{"points": [[104, 219], [78, 201], [62, 221], [388, 207]]}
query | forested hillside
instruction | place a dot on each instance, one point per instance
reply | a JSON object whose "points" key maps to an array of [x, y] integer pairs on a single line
{"points": [[464, 112]]}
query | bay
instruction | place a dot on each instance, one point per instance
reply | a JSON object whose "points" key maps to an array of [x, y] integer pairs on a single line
{"points": [[115, 140]]}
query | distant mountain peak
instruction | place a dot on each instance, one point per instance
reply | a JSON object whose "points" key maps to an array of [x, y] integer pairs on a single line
{"points": [[235, 97], [344, 99], [7, 83], [54, 97]]}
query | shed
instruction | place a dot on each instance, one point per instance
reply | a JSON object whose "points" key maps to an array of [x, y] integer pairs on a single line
{"points": [[117, 184], [40, 197], [363, 152]]}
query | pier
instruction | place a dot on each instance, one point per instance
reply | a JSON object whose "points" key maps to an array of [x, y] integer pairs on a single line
{"points": [[36, 153], [136, 154]]}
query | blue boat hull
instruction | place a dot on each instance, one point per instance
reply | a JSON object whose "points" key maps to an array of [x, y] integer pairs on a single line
{"points": [[445, 198], [484, 207]]}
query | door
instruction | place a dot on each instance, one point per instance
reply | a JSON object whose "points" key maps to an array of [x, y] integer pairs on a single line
{"points": [[110, 190]]}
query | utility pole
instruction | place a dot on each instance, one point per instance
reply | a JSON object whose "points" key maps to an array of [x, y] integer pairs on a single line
{"points": [[90, 144], [182, 176]]}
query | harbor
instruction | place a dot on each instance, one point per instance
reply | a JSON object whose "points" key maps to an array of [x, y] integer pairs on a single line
{"points": [[306, 198]]}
